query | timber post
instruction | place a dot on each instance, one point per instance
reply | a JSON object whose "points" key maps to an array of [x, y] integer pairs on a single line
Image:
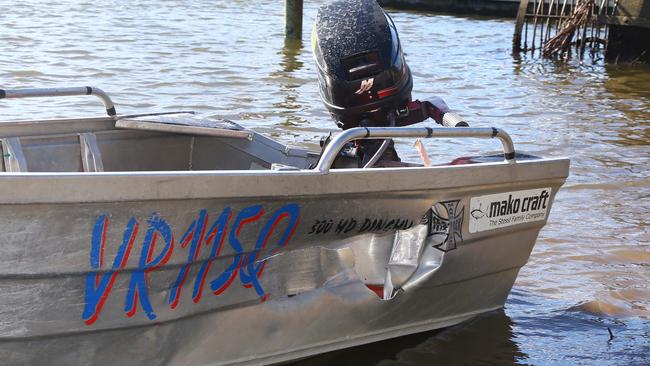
{"points": [[521, 16], [293, 19]]}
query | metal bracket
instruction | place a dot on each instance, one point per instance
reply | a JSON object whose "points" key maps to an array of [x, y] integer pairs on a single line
{"points": [[13, 156], [91, 157]]}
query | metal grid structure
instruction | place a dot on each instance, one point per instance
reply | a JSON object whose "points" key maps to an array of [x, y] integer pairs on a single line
{"points": [[561, 28]]}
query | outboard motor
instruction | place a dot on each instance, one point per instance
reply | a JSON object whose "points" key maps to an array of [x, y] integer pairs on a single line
{"points": [[362, 74], [364, 80]]}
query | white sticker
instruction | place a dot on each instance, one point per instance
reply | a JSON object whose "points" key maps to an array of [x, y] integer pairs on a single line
{"points": [[365, 86], [499, 210]]}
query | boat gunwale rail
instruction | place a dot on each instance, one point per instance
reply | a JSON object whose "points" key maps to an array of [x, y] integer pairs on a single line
{"points": [[61, 92], [331, 151]]}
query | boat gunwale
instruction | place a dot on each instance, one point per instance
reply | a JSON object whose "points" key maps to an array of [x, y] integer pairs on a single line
{"points": [[75, 187]]}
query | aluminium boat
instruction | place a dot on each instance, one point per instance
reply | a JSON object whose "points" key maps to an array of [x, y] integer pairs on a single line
{"points": [[175, 239]]}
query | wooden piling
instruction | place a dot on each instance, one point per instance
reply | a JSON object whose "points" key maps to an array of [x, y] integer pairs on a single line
{"points": [[521, 16], [293, 19]]}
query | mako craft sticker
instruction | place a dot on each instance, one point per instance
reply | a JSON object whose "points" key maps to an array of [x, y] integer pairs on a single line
{"points": [[499, 210]]}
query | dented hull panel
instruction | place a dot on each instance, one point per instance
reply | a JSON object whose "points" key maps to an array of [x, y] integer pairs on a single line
{"points": [[318, 321]]}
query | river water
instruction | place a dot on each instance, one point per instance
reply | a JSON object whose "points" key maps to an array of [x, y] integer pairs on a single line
{"points": [[590, 269]]}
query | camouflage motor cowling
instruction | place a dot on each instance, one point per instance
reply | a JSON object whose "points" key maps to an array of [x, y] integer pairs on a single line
{"points": [[361, 68]]}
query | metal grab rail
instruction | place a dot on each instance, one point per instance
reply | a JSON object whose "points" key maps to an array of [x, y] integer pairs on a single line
{"points": [[61, 92], [331, 151]]}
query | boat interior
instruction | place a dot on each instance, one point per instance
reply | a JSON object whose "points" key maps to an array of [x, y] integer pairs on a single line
{"points": [[141, 143], [178, 141]]}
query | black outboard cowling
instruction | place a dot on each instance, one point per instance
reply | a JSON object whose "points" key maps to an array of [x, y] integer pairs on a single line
{"points": [[361, 69]]}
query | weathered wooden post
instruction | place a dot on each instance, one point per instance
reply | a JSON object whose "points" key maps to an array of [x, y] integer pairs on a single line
{"points": [[521, 16], [293, 19]]}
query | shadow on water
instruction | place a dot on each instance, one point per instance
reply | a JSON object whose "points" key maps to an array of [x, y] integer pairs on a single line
{"points": [[485, 340], [553, 332], [532, 330]]}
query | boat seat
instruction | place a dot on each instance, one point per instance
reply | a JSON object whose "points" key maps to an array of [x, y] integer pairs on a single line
{"points": [[184, 123]]}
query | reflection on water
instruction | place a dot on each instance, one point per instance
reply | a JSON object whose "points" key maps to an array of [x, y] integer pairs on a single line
{"points": [[487, 339], [289, 85], [529, 332], [590, 269], [550, 333]]}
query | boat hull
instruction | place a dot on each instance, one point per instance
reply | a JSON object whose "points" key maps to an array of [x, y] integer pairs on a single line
{"points": [[253, 267], [280, 330]]}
